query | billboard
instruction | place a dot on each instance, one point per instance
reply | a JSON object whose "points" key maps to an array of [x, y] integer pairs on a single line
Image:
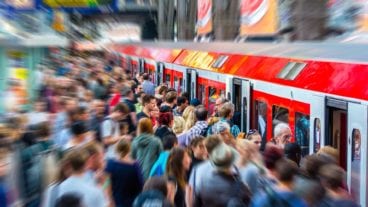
{"points": [[76, 3], [204, 17], [258, 17]]}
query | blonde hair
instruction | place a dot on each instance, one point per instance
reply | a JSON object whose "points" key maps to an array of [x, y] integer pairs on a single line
{"points": [[189, 117], [144, 126], [329, 151], [179, 124]]}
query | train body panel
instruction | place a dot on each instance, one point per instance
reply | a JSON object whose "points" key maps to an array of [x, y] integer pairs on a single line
{"points": [[319, 90]]}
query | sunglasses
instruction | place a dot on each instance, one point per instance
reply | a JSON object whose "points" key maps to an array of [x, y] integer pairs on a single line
{"points": [[251, 132]]}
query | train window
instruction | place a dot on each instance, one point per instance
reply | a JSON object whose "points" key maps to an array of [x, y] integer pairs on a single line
{"points": [[291, 70], [201, 93], [220, 61], [355, 164], [302, 131], [180, 89], [212, 96], [176, 83], [279, 114], [317, 134], [167, 79], [261, 108]]}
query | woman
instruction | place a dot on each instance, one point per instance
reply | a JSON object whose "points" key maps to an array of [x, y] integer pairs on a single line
{"points": [[126, 176], [146, 147], [165, 121], [255, 137], [155, 114], [189, 117], [177, 168], [178, 126]]}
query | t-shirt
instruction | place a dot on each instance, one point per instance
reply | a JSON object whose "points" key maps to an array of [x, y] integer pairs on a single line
{"points": [[141, 115], [126, 181], [91, 195], [110, 128]]}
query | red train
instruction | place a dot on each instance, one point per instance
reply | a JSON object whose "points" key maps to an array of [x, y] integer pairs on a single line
{"points": [[319, 89]]}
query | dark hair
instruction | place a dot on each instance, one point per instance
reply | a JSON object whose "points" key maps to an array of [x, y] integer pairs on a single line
{"points": [[122, 108], [171, 97], [156, 183], [78, 128], [181, 100], [186, 95], [77, 158], [147, 99], [286, 170], [123, 147], [175, 167], [293, 152], [69, 200], [196, 140], [212, 142], [271, 155], [169, 140], [162, 89], [43, 129], [332, 176], [145, 76], [201, 113], [165, 118], [313, 163]]}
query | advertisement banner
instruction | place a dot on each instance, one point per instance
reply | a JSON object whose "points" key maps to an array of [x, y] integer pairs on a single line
{"points": [[258, 17], [76, 3], [204, 16], [363, 16]]}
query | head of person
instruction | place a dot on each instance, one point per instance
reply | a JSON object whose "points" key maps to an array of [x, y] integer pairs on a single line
{"points": [[169, 141], [127, 92], [212, 142], [145, 77], [248, 151], [332, 177], [82, 113], [77, 160], [271, 155], [166, 119], [139, 89], [182, 103], [195, 102], [189, 117], [313, 163], [122, 148], [43, 130], [98, 107], [201, 113], [179, 125], [223, 157], [69, 200], [198, 148], [227, 110], [39, 106], [293, 152], [95, 151], [70, 103], [178, 164], [219, 102], [170, 98], [162, 90], [282, 134], [255, 137], [156, 183], [120, 111], [329, 151], [144, 126], [149, 102], [155, 113], [79, 129], [286, 170], [140, 97]]}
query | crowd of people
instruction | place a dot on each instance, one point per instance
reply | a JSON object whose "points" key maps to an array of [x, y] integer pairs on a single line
{"points": [[101, 136]]}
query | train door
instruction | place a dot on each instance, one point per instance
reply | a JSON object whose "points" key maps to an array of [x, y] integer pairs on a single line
{"points": [[191, 83], [141, 66], [357, 152], [336, 118], [159, 73], [240, 96]]}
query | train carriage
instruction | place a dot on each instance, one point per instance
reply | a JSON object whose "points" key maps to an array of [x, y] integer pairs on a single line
{"points": [[318, 88]]}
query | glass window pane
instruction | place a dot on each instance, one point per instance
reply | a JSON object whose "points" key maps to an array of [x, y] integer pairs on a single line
{"points": [[279, 114], [317, 134], [355, 165], [167, 79], [261, 108], [302, 124]]}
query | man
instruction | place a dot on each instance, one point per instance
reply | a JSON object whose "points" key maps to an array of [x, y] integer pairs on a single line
{"points": [[282, 134], [67, 105], [97, 117], [218, 104], [91, 195], [38, 115], [80, 136], [147, 85], [128, 99], [111, 128], [170, 99], [182, 103], [149, 103], [199, 128], [226, 113]]}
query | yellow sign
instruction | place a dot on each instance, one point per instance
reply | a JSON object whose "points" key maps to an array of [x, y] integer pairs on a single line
{"points": [[70, 3], [199, 60], [20, 73]]}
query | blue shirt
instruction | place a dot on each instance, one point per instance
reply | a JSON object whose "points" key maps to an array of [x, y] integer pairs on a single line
{"points": [[277, 198], [148, 87], [158, 169]]}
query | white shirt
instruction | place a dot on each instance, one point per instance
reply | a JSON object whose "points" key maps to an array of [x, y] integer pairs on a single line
{"points": [[110, 128]]}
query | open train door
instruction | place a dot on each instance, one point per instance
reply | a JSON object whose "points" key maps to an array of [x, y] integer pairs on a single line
{"points": [[240, 97], [159, 73], [191, 83], [357, 152], [141, 66]]}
